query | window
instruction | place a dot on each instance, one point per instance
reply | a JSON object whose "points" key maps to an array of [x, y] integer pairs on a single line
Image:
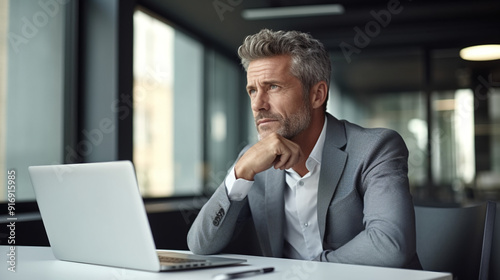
{"points": [[3, 92], [487, 136], [168, 109], [453, 138], [494, 114], [31, 90], [229, 122]]}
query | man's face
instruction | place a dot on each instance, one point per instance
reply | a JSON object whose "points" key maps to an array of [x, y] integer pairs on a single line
{"points": [[277, 97]]}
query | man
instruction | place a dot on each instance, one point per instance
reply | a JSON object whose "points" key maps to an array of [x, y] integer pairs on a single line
{"points": [[317, 188]]}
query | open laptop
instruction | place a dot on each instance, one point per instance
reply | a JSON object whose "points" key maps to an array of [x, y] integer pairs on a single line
{"points": [[94, 213]]}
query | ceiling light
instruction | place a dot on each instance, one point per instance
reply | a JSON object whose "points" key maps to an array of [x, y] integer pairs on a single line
{"points": [[295, 11], [481, 52]]}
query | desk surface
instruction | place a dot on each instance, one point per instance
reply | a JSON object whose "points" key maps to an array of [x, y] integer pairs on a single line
{"points": [[39, 263]]}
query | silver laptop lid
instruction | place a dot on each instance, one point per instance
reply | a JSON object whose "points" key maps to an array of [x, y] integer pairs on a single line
{"points": [[87, 209]]}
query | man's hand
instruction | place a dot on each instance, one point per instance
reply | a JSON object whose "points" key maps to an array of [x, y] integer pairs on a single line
{"points": [[273, 150]]}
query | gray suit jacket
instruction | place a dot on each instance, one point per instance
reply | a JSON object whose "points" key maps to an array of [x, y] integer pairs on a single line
{"points": [[365, 209]]}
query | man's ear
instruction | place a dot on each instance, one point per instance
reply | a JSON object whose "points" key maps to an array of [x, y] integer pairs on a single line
{"points": [[318, 94]]}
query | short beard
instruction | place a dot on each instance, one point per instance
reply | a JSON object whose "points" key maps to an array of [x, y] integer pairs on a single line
{"points": [[293, 125]]}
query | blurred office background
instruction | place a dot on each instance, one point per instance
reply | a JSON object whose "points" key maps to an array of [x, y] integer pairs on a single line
{"points": [[159, 83]]}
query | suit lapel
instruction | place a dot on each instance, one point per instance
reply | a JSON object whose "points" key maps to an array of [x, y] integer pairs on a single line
{"points": [[332, 165], [275, 209]]}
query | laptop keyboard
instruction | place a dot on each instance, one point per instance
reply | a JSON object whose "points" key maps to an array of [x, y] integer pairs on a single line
{"points": [[168, 259]]}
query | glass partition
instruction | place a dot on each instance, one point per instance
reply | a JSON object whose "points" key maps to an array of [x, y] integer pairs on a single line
{"points": [[31, 90]]}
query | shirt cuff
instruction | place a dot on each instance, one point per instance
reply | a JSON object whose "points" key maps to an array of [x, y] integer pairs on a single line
{"points": [[237, 189]]}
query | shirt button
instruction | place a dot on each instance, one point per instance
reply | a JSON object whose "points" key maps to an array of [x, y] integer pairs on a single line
{"points": [[301, 183], [306, 224]]}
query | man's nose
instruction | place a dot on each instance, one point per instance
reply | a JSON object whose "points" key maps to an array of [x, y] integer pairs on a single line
{"points": [[260, 101]]}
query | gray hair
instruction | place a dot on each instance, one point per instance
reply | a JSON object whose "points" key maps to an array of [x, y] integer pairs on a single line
{"points": [[310, 61]]}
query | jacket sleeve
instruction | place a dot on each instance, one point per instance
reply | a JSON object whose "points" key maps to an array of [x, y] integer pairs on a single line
{"points": [[217, 223], [388, 238]]}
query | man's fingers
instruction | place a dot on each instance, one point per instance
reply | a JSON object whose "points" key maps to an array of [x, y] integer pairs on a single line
{"points": [[281, 161], [294, 158], [288, 155], [272, 151]]}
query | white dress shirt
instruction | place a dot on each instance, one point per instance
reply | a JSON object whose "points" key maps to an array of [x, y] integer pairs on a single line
{"points": [[301, 232]]}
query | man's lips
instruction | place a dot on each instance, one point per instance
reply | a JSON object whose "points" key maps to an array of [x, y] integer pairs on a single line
{"points": [[265, 120]]}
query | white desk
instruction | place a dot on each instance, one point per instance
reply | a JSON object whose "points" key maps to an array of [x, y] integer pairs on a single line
{"points": [[39, 263]]}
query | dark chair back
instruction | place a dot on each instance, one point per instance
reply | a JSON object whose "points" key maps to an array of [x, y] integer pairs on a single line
{"points": [[495, 248], [451, 240]]}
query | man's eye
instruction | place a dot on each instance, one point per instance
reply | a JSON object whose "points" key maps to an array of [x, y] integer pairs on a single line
{"points": [[252, 91], [274, 87]]}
